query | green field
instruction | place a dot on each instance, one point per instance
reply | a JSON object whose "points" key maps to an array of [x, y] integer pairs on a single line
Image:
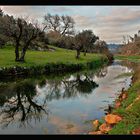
{"points": [[132, 58], [34, 58]]}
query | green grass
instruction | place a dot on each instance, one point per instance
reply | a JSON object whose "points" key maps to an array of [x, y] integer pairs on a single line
{"points": [[133, 58], [131, 117], [34, 58]]}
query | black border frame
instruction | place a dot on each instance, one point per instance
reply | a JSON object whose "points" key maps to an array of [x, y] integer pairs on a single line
{"points": [[79, 3], [69, 2]]}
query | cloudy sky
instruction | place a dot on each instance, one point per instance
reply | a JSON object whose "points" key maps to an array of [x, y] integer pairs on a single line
{"points": [[110, 23]]}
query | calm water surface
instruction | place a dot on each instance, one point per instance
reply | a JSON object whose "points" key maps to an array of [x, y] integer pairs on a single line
{"points": [[60, 105]]}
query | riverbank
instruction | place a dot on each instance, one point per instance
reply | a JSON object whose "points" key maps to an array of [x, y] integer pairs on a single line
{"points": [[82, 95], [46, 62], [125, 114], [129, 107], [132, 58]]}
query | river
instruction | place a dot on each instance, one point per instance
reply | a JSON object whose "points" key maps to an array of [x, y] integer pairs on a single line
{"points": [[60, 105]]}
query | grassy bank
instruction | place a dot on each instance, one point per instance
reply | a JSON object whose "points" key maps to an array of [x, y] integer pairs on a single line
{"points": [[133, 58], [130, 112], [39, 62], [130, 107]]}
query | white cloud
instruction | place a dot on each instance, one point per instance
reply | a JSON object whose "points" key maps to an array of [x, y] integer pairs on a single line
{"points": [[60, 9], [109, 23], [83, 21], [33, 12]]}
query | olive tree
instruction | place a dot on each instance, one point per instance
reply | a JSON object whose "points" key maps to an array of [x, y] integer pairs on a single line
{"points": [[13, 28], [84, 41], [30, 33], [22, 32]]}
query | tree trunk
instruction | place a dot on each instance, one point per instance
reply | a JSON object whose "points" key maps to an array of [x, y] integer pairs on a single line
{"points": [[85, 52], [17, 52], [23, 52], [78, 54], [23, 55], [22, 107]]}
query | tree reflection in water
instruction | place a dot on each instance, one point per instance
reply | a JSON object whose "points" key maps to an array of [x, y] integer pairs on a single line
{"points": [[20, 101], [70, 87], [102, 72], [21, 106]]}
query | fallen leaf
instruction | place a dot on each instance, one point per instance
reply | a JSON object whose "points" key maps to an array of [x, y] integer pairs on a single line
{"points": [[105, 127], [112, 119], [136, 131], [117, 104], [124, 96]]}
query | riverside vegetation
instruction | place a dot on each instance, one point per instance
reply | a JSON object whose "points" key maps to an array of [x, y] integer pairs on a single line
{"points": [[129, 108], [125, 111], [126, 106]]}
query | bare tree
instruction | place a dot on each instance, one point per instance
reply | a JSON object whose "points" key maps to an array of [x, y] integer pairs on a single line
{"points": [[127, 39], [61, 24], [135, 37], [138, 32], [131, 38], [52, 22], [67, 25], [124, 39]]}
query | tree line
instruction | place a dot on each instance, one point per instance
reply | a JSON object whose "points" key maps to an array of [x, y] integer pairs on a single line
{"points": [[56, 30]]}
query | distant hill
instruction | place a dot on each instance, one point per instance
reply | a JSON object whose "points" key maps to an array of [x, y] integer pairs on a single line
{"points": [[114, 48]]}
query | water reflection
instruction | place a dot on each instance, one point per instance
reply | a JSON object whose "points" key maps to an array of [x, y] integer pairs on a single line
{"points": [[59, 104], [134, 67], [20, 105], [68, 87], [21, 100]]}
